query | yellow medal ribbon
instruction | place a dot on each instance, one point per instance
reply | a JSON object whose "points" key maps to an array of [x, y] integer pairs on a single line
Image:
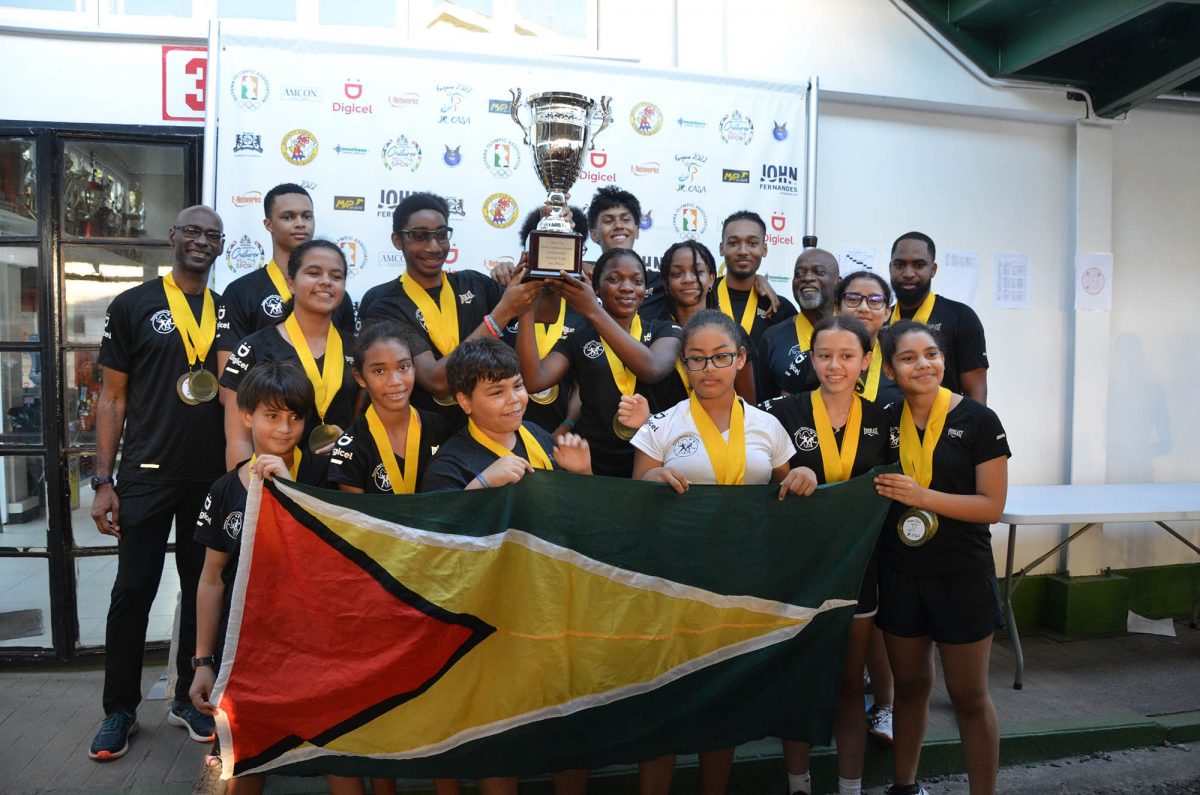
{"points": [[916, 454], [728, 459], [406, 482], [804, 330], [687, 385], [747, 321], [440, 321], [294, 468], [197, 337], [838, 463], [923, 311], [325, 384], [277, 279], [535, 453], [870, 387], [623, 377], [550, 333]]}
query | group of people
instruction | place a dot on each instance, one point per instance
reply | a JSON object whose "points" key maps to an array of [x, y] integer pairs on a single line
{"points": [[464, 380]]}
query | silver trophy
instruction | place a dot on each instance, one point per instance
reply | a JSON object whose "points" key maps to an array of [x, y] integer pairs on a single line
{"points": [[561, 129]]}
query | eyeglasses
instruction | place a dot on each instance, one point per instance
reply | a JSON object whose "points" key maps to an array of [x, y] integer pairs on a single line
{"points": [[194, 233], [719, 360], [854, 300], [441, 234]]}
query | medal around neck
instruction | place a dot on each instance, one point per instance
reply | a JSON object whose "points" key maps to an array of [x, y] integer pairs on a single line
{"points": [[561, 130], [546, 397], [448, 400], [917, 526], [322, 436], [203, 385], [623, 431], [183, 388]]}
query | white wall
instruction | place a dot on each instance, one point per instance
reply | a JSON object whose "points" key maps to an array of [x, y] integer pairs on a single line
{"points": [[908, 139]]}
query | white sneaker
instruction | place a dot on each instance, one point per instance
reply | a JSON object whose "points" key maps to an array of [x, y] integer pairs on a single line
{"points": [[879, 724]]}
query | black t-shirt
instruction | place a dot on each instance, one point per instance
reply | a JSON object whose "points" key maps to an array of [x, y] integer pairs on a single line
{"points": [[477, 296], [875, 441], [251, 303], [782, 364], [584, 349], [549, 407], [655, 305], [267, 345], [356, 461], [737, 301], [972, 435], [966, 348], [461, 458], [165, 440]]}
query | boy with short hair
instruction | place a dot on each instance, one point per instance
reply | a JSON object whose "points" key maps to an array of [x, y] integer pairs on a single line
{"points": [[496, 448]]}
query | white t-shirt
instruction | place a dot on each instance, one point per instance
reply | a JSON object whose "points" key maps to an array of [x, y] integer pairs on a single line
{"points": [[672, 437]]}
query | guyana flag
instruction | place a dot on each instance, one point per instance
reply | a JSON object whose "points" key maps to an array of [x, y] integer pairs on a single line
{"points": [[563, 622]]}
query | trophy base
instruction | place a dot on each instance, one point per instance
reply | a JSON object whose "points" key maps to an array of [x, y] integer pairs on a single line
{"points": [[555, 254]]}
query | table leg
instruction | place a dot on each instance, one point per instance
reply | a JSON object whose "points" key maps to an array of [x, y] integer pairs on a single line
{"points": [[1009, 616]]}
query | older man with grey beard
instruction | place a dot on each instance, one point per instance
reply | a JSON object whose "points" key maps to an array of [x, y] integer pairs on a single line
{"points": [[784, 347]]}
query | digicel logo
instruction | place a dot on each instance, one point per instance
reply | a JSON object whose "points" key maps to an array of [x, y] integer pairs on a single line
{"points": [[595, 176], [452, 255], [350, 109]]}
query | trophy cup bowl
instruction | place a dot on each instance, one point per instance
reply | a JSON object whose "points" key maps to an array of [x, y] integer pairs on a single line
{"points": [[561, 133]]}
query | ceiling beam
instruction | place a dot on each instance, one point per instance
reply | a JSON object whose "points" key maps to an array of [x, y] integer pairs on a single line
{"points": [[1152, 83], [1062, 25]]}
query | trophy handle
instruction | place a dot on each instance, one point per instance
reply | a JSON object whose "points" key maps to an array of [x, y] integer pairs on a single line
{"points": [[514, 108], [605, 120]]}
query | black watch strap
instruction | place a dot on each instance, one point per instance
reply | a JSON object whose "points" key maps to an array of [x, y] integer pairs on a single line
{"points": [[200, 662], [98, 482]]}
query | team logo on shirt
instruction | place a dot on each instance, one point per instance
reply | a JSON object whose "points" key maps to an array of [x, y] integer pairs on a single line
{"points": [[806, 439], [233, 525], [796, 353], [299, 147], [736, 128], [272, 305], [870, 432], [466, 298], [593, 349], [687, 445], [381, 479], [954, 433], [162, 322], [646, 118], [421, 319], [894, 437]]}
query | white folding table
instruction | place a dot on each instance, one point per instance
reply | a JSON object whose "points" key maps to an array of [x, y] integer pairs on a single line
{"points": [[1088, 505]]}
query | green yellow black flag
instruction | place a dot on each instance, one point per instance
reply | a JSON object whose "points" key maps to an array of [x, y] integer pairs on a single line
{"points": [[564, 622]]}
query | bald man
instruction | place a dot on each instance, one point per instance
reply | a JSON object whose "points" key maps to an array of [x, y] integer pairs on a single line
{"points": [[784, 347], [158, 395]]}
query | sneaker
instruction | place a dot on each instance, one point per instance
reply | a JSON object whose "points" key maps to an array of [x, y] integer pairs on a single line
{"points": [[200, 727], [879, 724], [112, 741], [897, 790], [209, 782]]}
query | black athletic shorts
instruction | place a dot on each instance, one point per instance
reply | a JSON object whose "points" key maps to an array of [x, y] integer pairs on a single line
{"points": [[947, 609]]}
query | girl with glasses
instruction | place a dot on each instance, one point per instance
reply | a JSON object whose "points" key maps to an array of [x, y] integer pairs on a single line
{"points": [[712, 437], [868, 297]]}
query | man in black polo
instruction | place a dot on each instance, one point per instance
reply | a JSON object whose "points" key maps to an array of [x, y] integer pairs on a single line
{"points": [[784, 347], [158, 395], [912, 269], [256, 300]]}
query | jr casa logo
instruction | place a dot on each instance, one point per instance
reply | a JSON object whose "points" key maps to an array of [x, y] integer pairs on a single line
{"points": [[689, 177], [355, 252], [401, 154], [500, 210], [245, 254], [646, 118], [780, 179], [453, 107], [690, 221], [250, 89], [352, 90], [299, 147]]}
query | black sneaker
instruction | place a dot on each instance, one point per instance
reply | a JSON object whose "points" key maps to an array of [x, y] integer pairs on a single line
{"points": [[112, 741], [200, 727], [913, 789]]}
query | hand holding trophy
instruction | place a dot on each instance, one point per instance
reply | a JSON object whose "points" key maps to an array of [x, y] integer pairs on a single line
{"points": [[561, 129]]}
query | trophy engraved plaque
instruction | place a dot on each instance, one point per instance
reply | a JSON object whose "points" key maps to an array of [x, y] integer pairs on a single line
{"points": [[561, 134]]}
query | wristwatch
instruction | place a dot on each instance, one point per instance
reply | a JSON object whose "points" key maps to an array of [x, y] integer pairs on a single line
{"points": [[200, 662], [98, 482]]}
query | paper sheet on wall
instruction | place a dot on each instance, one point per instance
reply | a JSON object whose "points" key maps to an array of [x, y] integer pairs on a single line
{"points": [[958, 275], [1093, 280], [855, 258], [1013, 278]]}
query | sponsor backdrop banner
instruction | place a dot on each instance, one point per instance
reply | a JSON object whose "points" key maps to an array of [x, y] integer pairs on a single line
{"points": [[361, 127]]}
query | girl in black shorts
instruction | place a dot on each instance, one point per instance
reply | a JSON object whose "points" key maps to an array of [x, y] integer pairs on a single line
{"points": [[937, 576], [838, 435]]}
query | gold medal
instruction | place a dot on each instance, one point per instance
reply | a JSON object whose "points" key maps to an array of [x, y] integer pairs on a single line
{"points": [[546, 397], [444, 401], [322, 436], [202, 385], [917, 526], [183, 388], [623, 431]]}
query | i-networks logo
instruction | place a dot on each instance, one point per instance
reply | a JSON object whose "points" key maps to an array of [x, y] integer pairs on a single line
{"points": [[247, 199], [780, 179], [404, 100], [738, 175], [452, 110], [689, 177], [650, 168], [352, 90]]}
